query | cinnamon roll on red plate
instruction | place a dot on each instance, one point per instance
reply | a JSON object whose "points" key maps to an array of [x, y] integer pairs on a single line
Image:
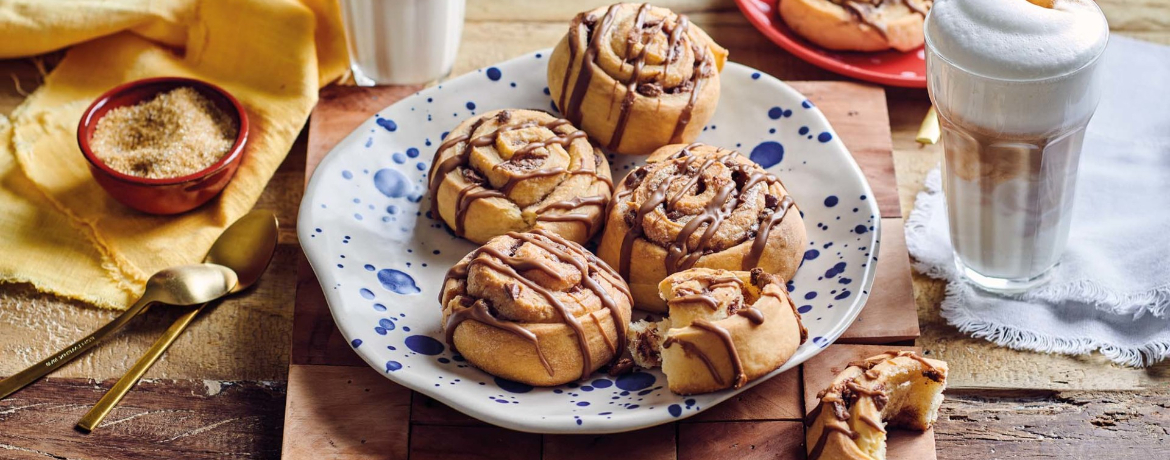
{"points": [[516, 170], [699, 206], [636, 77], [535, 308], [858, 25]]}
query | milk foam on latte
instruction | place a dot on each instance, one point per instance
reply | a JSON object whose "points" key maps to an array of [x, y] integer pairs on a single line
{"points": [[1009, 52], [1017, 39]]}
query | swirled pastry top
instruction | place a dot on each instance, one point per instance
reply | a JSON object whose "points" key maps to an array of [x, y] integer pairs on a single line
{"points": [[517, 170], [698, 200], [659, 49], [519, 281], [648, 52]]}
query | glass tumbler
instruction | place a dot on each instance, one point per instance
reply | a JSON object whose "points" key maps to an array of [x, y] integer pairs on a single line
{"points": [[1011, 153], [402, 42]]}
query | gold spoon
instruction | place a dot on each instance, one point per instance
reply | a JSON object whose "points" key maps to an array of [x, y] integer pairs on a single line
{"points": [[182, 285], [246, 247]]}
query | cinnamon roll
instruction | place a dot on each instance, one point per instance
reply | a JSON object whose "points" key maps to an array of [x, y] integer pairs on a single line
{"points": [[898, 388], [726, 328], [699, 206], [535, 308], [636, 77], [518, 170], [858, 25]]}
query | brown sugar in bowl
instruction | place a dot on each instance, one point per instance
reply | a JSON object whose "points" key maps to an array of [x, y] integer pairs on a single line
{"points": [[171, 195]]}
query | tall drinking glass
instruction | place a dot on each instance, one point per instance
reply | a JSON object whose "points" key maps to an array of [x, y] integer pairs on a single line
{"points": [[1012, 144], [400, 42]]}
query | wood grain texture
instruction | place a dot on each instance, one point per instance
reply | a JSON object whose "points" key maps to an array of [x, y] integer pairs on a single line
{"points": [[315, 337], [320, 419], [187, 419], [1052, 425], [657, 443], [779, 398], [429, 442], [741, 440]]}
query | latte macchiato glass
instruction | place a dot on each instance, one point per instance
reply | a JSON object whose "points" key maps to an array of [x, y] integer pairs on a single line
{"points": [[1015, 83]]}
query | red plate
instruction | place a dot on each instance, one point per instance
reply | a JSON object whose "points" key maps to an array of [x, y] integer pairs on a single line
{"points": [[893, 68]]}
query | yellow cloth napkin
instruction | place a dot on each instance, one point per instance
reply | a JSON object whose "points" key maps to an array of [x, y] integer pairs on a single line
{"points": [[59, 230]]}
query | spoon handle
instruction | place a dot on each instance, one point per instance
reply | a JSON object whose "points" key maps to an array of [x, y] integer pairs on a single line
{"points": [[32, 373], [112, 397]]}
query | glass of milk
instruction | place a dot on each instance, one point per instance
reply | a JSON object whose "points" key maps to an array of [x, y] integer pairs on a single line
{"points": [[1015, 83], [402, 42]]}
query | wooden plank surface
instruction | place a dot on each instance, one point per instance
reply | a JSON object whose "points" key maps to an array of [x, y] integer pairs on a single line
{"points": [[319, 425], [657, 443], [159, 419], [761, 440], [431, 442], [777, 399], [1054, 425]]}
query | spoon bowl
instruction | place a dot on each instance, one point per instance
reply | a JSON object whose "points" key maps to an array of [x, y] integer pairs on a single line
{"points": [[247, 247], [191, 284]]}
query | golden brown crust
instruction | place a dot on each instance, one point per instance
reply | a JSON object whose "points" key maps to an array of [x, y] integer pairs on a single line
{"points": [[518, 170], [902, 389], [858, 25], [727, 328], [535, 308], [636, 77], [690, 183]]}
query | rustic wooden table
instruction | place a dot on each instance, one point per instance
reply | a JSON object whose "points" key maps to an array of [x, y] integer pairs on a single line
{"points": [[220, 390]]}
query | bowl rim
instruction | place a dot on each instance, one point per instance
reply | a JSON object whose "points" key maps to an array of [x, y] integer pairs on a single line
{"points": [[88, 119]]}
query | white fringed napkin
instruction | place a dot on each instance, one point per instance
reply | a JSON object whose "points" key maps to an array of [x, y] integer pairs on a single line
{"points": [[1111, 291]]}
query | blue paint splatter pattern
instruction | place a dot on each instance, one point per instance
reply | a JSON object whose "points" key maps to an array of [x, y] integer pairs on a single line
{"points": [[383, 272]]}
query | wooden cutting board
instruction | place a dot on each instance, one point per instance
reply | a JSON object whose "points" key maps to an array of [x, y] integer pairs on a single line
{"points": [[338, 407]]}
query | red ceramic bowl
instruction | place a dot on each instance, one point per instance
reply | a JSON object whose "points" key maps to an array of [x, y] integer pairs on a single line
{"points": [[171, 195]]}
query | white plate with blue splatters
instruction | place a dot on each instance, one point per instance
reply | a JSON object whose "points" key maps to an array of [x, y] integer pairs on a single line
{"points": [[381, 260]]}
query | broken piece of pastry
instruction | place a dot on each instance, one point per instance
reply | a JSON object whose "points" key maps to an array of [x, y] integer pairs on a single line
{"points": [[897, 388], [726, 328]]}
